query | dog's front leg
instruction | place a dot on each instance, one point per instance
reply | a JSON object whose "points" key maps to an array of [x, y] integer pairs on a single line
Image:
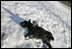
{"points": [[26, 36]]}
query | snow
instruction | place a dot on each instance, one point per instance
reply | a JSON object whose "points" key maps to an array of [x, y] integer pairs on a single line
{"points": [[53, 16]]}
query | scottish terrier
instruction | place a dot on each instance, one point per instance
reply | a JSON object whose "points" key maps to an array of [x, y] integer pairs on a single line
{"points": [[34, 31]]}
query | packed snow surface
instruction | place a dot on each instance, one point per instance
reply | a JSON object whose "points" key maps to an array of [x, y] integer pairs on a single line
{"points": [[53, 16]]}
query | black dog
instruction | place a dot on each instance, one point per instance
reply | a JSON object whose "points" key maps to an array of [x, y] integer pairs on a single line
{"points": [[37, 32]]}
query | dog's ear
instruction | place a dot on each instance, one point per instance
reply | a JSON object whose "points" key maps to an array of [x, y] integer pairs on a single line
{"points": [[34, 23], [29, 20]]}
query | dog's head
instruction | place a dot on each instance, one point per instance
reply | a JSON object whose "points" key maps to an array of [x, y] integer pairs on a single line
{"points": [[26, 23], [29, 24]]}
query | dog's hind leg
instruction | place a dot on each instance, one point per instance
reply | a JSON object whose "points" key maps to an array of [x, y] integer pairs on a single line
{"points": [[47, 43]]}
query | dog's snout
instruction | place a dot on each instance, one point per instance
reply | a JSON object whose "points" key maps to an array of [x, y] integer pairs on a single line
{"points": [[22, 24]]}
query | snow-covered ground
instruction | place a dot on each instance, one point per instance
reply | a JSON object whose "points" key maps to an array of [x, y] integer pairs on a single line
{"points": [[53, 16]]}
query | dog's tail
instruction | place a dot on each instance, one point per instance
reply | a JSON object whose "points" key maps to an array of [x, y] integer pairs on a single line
{"points": [[47, 43]]}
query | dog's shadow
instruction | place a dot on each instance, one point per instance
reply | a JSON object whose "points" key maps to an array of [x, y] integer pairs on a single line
{"points": [[16, 18]]}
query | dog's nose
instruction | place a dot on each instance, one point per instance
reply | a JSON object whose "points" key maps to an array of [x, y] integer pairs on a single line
{"points": [[22, 24]]}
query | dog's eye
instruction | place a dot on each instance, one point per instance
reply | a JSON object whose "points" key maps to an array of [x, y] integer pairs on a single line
{"points": [[22, 23]]}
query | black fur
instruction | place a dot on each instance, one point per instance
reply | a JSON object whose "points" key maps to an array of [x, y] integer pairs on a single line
{"points": [[37, 32]]}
